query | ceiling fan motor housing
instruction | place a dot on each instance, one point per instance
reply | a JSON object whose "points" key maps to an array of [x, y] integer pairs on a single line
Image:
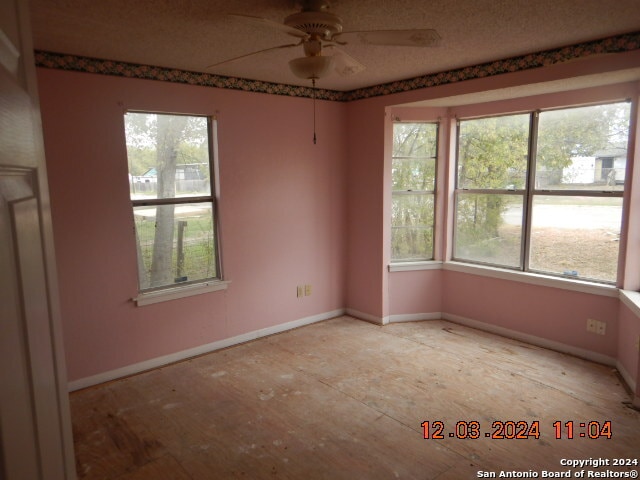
{"points": [[321, 24]]}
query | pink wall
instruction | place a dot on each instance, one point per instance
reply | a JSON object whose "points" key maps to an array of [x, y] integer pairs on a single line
{"points": [[367, 257], [291, 213], [551, 313], [282, 214], [415, 292], [628, 335]]}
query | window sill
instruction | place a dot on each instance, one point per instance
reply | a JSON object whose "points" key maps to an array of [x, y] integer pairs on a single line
{"points": [[174, 293], [632, 300], [411, 266], [533, 279]]}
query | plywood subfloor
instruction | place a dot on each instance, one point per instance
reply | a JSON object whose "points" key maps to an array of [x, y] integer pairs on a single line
{"points": [[345, 399]]}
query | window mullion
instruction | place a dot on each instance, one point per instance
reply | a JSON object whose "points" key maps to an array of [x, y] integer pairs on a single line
{"points": [[530, 189], [580, 193], [492, 191], [171, 201], [413, 192]]}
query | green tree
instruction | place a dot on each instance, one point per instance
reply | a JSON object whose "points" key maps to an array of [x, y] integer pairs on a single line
{"points": [[492, 155], [575, 132], [169, 133], [141, 151]]}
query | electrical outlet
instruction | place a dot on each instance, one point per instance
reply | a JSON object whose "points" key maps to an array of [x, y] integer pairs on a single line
{"points": [[307, 290], [596, 326], [300, 291]]}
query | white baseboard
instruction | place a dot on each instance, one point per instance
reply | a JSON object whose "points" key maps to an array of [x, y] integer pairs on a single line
{"points": [[415, 317], [626, 376], [532, 339], [367, 317], [228, 342], [545, 343], [193, 352]]}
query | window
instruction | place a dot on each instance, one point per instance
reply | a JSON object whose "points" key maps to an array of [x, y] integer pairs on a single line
{"points": [[413, 191], [542, 192], [173, 198]]}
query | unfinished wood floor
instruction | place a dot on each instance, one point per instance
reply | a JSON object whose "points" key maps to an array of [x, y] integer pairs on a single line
{"points": [[345, 399]]}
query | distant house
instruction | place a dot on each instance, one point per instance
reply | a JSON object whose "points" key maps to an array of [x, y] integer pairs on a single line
{"points": [[580, 171], [610, 166], [606, 167], [148, 177], [189, 177]]}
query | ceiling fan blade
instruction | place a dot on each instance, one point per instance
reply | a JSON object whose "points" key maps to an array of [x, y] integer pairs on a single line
{"points": [[265, 22], [230, 60], [345, 64], [401, 38]]}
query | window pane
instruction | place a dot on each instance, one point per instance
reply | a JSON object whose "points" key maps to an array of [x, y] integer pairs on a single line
{"points": [[413, 174], [576, 236], [168, 155], [414, 156], [489, 228], [583, 148], [415, 139], [412, 227], [492, 152], [175, 244]]}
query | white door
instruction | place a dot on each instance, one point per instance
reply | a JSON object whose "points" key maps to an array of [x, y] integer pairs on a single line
{"points": [[35, 433]]}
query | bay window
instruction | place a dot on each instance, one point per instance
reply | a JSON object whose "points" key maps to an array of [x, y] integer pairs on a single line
{"points": [[542, 191]]}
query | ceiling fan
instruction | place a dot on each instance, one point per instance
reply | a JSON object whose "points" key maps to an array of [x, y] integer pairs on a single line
{"points": [[317, 29]]}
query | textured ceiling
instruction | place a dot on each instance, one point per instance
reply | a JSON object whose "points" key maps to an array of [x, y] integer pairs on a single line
{"points": [[191, 34]]}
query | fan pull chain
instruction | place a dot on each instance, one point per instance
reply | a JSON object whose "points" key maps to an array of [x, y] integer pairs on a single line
{"points": [[313, 83]]}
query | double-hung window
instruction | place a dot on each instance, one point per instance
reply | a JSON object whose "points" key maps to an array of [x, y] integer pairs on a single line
{"points": [[415, 148], [172, 189], [542, 191]]}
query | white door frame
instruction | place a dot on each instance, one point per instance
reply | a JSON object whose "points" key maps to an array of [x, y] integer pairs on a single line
{"points": [[36, 441]]}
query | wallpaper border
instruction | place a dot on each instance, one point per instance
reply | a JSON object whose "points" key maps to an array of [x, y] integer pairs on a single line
{"points": [[617, 44]]}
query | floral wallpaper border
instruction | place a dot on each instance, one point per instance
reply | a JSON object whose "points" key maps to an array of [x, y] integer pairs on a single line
{"points": [[620, 43], [131, 70], [617, 44]]}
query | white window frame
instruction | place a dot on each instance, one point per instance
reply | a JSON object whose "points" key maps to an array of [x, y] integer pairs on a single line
{"points": [[174, 291]]}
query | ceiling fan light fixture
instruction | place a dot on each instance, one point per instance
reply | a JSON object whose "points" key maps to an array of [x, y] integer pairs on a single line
{"points": [[311, 68]]}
